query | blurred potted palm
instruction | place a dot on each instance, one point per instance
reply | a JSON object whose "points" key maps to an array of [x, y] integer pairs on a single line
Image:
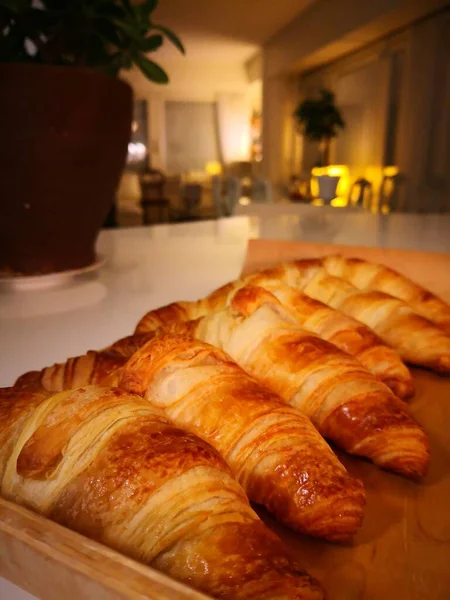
{"points": [[320, 120], [65, 120]]}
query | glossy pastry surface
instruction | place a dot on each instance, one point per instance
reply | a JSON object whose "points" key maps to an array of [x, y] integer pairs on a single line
{"points": [[371, 276], [273, 450], [415, 338], [108, 465], [346, 333], [315, 376]]}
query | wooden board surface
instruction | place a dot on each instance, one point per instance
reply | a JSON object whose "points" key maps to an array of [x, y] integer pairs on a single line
{"points": [[402, 552]]}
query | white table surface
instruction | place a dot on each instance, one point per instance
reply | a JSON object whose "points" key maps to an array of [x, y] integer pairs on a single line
{"points": [[145, 268], [355, 227]]}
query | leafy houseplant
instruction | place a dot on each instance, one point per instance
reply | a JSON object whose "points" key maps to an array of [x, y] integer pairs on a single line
{"points": [[320, 121], [66, 121], [105, 35]]}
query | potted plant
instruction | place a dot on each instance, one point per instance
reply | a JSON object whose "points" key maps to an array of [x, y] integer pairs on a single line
{"points": [[320, 121], [65, 122]]}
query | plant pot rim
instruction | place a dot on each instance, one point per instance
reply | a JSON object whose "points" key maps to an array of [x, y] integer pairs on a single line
{"points": [[63, 71]]}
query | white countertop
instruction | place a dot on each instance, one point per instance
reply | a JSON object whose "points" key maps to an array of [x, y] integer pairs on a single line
{"points": [[354, 227], [145, 268]]}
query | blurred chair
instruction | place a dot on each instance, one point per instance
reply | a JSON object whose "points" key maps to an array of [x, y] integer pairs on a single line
{"points": [[191, 196], [155, 206], [172, 188], [217, 198], [361, 193], [240, 169], [390, 196], [233, 194], [261, 191]]}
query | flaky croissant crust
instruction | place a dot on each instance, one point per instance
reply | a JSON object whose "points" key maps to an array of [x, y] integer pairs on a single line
{"points": [[108, 464], [274, 451], [315, 376]]}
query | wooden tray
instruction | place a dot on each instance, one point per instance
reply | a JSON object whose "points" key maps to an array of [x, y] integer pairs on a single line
{"points": [[401, 553]]}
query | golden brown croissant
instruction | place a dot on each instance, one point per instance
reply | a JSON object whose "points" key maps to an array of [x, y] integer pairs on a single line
{"points": [[329, 324], [416, 339], [91, 368], [344, 401], [108, 465], [370, 276], [273, 450]]}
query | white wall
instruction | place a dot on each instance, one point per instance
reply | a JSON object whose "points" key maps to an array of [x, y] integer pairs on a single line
{"points": [[190, 135], [278, 131], [196, 81], [192, 80]]}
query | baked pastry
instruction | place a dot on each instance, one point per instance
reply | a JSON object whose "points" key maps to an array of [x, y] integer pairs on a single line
{"points": [[108, 465], [371, 276], [274, 451], [346, 403], [349, 335], [329, 324], [417, 340], [90, 368], [346, 333]]}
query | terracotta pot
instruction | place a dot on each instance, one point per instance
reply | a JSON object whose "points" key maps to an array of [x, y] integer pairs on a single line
{"points": [[64, 134]]}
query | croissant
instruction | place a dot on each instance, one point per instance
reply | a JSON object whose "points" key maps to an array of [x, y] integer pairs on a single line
{"points": [[273, 450], [346, 333], [108, 465], [91, 368], [369, 276], [416, 339], [344, 401]]}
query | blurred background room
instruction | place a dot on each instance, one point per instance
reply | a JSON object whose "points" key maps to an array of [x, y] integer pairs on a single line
{"points": [[299, 114], [224, 133]]}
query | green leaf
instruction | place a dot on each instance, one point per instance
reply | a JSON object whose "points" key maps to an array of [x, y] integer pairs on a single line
{"points": [[101, 34], [108, 32], [131, 30], [171, 36], [320, 118], [151, 43], [150, 69]]}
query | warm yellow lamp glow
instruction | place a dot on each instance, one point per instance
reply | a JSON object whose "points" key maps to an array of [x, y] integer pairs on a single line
{"points": [[331, 170], [213, 168], [390, 171], [314, 186], [339, 202]]}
